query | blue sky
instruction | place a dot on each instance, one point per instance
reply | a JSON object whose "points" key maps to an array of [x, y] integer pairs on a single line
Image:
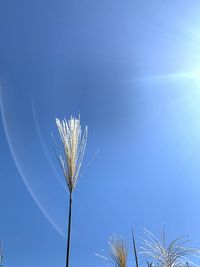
{"points": [[131, 70]]}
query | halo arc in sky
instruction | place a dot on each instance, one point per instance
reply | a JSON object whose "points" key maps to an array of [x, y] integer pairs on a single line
{"points": [[21, 170]]}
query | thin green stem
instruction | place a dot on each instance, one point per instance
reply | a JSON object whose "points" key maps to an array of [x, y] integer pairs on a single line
{"points": [[69, 229]]}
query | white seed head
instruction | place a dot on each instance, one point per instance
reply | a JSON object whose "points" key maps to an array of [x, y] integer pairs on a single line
{"points": [[74, 144], [174, 254]]}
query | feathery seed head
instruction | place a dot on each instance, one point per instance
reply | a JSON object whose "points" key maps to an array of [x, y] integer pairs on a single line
{"points": [[118, 251], [175, 254], [74, 144]]}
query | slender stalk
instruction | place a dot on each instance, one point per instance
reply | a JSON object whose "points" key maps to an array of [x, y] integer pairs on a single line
{"points": [[135, 250], [69, 229]]}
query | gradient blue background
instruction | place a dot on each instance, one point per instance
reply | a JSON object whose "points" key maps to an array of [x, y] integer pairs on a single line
{"points": [[132, 70]]}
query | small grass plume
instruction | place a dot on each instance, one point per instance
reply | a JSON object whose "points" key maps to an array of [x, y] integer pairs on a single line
{"points": [[118, 252], [174, 254], [74, 144]]}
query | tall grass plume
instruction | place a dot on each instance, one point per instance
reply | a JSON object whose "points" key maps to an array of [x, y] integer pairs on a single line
{"points": [[73, 144]]}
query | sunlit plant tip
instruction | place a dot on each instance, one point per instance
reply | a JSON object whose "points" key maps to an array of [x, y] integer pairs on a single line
{"points": [[74, 144], [119, 251], [173, 254]]}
